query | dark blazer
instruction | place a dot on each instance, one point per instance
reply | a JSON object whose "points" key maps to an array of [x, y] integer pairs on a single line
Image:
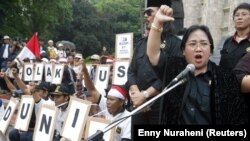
{"points": [[227, 104]]}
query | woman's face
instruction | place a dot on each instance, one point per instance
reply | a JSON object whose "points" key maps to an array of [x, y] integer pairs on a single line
{"points": [[242, 19], [197, 50]]}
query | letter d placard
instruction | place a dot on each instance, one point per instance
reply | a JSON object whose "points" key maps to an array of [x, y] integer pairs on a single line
{"points": [[9, 111]]}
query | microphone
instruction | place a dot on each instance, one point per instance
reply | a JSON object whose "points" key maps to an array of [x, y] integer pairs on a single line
{"points": [[189, 68]]}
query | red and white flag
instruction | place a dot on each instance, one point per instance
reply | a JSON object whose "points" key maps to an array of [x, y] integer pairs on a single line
{"points": [[31, 50]]}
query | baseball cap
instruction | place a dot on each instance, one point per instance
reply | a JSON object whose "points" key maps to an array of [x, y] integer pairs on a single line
{"points": [[95, 57], [6, 37], [61, 90]]}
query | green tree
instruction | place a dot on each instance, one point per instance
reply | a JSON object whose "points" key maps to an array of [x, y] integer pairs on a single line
{"points": [[24, 17]]}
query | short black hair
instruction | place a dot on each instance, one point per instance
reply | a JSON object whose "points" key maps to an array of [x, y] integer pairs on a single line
{"points": [[193, 28], [242, 6]]}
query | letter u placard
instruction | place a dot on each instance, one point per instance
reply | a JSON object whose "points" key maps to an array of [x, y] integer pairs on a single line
{"points": [[24, 112]]}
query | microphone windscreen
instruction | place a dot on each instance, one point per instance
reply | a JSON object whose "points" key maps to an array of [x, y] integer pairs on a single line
{"points": [[191, 67]]}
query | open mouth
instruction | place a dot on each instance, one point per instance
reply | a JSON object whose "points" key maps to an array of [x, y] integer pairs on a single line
{"points": [[198, 56]]}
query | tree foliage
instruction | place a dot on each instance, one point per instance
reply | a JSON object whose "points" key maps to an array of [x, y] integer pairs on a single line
{"points": [[24, 17], [90, 24]]}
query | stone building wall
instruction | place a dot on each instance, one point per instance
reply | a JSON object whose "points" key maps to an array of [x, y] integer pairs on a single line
{"points": [[216, 14]]}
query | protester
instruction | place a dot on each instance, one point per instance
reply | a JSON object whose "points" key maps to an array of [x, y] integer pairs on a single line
{"points": [[242, 71], [236, 46], [113, 106], [95, 60], [61, 97], [40, 95], [143, 82], [210, 96], [6, 51]]}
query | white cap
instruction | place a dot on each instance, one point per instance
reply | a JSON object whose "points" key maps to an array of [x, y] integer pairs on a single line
{"points": [[60, 45], [109, 59], [6, 37], [78, 55], [50, 41], [53, 60], [63, 60], [95, 57], [45, 60]]}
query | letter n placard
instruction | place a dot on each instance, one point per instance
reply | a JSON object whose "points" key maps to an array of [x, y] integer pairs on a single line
{"points": [[96, 123], [8, 113], [45, 123], [120, 72], [76, 118], [102, 76], [24, 113]]}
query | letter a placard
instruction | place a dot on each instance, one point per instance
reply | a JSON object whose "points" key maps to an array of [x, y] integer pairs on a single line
{"points": [[45, 123], [48, 72], [76, 119], [9, 111], [24, 113]]}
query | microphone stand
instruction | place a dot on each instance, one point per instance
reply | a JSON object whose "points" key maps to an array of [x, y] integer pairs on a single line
{"points": [[98, 136]]}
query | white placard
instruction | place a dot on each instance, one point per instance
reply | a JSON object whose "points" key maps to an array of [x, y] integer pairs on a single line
{"points": [[95, 123], [38, 72], [20, 74], [58, 74], [76, 119], [45, 123], [28, 71], [102, 76], [124, 45], [24, 113], [48, 72], [8, 113], [120, 72]]}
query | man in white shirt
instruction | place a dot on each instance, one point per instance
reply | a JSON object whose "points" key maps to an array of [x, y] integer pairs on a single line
{"points": [[114, 105]]}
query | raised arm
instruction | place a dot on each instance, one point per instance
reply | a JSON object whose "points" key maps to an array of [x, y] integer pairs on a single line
{"points": [[92, 91], [8, 82], [164, 14], [20, 83]]}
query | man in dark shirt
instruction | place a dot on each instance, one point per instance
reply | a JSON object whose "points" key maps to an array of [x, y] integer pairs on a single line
{"points": [[144, 81]]}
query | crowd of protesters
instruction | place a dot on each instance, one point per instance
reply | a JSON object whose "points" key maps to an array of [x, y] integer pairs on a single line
{"points": [[213, 95]]}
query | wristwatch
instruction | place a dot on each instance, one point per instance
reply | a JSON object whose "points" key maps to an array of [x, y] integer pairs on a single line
{"points": [[146, 95]]}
